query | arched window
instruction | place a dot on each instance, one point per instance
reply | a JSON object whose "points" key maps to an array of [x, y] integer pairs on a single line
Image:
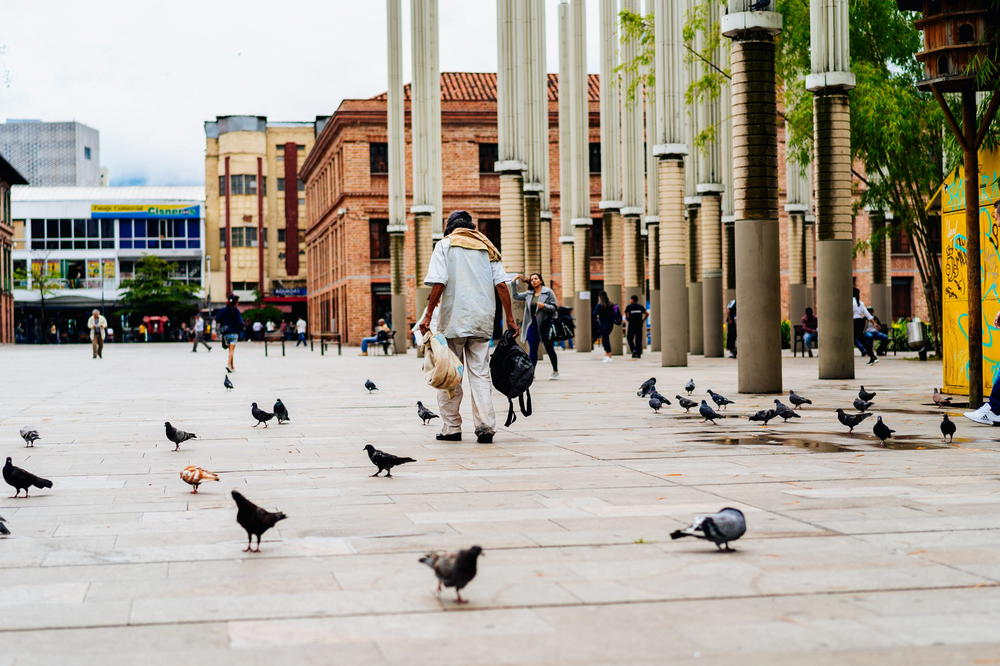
{"points": [[966, 33], [942, 65]]}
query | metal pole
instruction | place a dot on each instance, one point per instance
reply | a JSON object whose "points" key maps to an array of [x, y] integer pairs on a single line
{"points": [[973, 277]]}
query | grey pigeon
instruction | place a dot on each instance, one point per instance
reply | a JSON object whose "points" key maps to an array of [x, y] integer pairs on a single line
{"points": [[425, 414], [940, 399], [689, 387], [798, 400], [453, 569], [384, 461], [254, 519], [719, 399], [280, 411], [851, 420], [764, 415], [686, 403], [646, 387], [861, 405], [177, 436], [370, 385], [784, 411], [882, 431], [3, 528], [865, 395], [709, 414], [260, 415], [228, 384], [720, 528], [948, 428], [659, 396], [29, 435], [20, 479], [655, 405]]}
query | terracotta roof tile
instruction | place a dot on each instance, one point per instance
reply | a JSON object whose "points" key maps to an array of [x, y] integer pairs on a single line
{"points": [[482, 87]]}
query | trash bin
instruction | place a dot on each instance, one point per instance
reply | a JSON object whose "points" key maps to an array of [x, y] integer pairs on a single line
{"points": [[915, 337]]}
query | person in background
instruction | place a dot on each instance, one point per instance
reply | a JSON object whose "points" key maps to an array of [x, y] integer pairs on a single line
{"points": [[635, 326], [731, 328], [989, 412], [861, 316], [381, 327], [53, 334], [143, 331], [874, 334], [258, 331], [300, 329], [809, 330], [199, 333], [98, 326], [230, 323], [607, 316], [540, 306]]}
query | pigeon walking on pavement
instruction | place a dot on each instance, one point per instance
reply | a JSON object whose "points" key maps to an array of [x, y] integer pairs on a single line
{"points": [[659, 396], [260, 415], [3, 528], [865, 395], [425, 414], [851, 420], [686, 403], [370, 385], [948, 428], [254, 519], [280, 411], [194, 476], [784, 411], [453, 569], [882, 431], [709, 414], [763, 416], [798, 400], [646, 387], [862, 405], [940, 399], [720, 400], [228, 384], [21, 479], [29, 435], [384, 461], [655, 405], [689, 387], [177, 436], [720, 528]]}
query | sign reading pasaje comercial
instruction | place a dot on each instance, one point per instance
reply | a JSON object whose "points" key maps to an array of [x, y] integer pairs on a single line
{"points": [[173, 211]]}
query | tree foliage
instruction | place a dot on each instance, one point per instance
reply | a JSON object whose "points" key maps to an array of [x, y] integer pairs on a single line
{"points": [[153, 292]]}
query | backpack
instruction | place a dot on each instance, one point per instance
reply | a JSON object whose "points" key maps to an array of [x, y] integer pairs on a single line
{"points": [[512, 372]]}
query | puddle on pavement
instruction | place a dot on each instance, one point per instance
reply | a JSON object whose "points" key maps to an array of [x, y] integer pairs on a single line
{"points": [[815, 446]]}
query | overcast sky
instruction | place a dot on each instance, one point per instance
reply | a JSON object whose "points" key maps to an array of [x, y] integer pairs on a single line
{"points": [[147, 73]]}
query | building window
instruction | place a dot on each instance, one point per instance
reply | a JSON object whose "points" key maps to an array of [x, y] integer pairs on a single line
{"points": [[491, 229], [597, 239], [241, 184], [378, 157], [281, 235], [242, 237], [281, 184], [595, 157], [488, 157], [86, 152], [966, 34], [245, 286], [82, 234], [378, 238], [142, 234], [300, 185]]}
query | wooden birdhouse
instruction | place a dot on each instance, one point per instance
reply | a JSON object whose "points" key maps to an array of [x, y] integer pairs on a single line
{"points": [[956, 32]]}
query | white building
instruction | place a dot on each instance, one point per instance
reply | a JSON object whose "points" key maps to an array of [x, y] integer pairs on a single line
{"points": [[53, 153]]}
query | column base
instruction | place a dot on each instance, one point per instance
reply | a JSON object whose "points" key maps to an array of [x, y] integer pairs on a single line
{"points": [[584, 341], [615, 296], [654, 324], [696, 337], [880, 301], [399, 323], [673, 316], [712, 318], [758, 306], [797, 302], [833, 308]]}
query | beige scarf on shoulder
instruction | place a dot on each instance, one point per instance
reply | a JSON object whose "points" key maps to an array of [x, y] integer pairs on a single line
{"points": [[471, 239]]}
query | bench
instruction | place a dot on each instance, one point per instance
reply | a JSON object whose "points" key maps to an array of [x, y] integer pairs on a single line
{"points": [[324, 339]]}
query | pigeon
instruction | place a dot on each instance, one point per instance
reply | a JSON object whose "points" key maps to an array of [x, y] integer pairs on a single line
{"points": [[260, 415], [228, 384], [659, 396], [686, 403], [798, 400], [882, 431], [3, 528], [689, 387], [384, 461], [453, 569], [720, 528], [646, 387], [177, 436], [29, 435], [851, 420], [20, 479], [280, 411], [254, 519], [425, 414], [865, 395], [370, 385], [948, 428], [760, 6], [195, 476], [784, 411], [720, 400], [655, 404], [709, 414], [940, 399], [861, 405], [764, 415]]}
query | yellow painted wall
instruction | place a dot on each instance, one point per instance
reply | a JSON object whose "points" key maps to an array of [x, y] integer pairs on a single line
{"points": [[953, 268]]}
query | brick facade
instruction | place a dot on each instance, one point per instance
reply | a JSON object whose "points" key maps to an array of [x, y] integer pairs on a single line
{"points": [[8, 176]]}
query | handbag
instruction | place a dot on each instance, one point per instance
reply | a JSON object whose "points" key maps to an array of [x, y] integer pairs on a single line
{"points": [[560, 328]]}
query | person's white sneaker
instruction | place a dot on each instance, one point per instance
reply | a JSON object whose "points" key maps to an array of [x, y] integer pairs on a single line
{"points": [[983, 415], [554, 375], [606, 359]]}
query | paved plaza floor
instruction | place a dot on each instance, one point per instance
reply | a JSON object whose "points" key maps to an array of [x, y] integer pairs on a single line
{"points": [[854, 554]]}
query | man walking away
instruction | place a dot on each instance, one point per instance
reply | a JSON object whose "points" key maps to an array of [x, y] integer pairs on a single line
{"points": [[635, 321], [199, 333], [98, 326], [230, 323], [300, 329], [466, 277]]}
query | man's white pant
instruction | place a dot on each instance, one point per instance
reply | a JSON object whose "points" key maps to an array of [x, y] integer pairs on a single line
{"points": [[474, 355]]}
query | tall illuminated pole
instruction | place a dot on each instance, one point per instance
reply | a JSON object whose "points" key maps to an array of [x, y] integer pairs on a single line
{"points": [[611, 192], [397, 170]]}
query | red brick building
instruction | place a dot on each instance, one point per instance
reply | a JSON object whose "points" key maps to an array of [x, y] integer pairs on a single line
{"points": [[8, 176], [347, 244]]}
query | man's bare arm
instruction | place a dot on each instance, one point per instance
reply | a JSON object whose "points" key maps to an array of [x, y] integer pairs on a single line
{"points": [[432, 303]]}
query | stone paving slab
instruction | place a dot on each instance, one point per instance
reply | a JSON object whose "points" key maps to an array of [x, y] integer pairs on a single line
{"points": [[855, 554]]}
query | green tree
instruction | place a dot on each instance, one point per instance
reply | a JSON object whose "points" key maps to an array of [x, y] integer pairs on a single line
{"points": [[44, 280], [153, 292]]}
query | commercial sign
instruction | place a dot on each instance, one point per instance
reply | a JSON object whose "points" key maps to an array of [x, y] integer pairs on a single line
{"points": [[140, 211], [286, 292]]}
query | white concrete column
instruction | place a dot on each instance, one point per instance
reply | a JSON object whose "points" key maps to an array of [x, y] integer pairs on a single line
{"points": [[798, 188], [611, 192], [632, 166], [397, 170], [510, 132], [579, 140], [567, 292], [652, 220]]}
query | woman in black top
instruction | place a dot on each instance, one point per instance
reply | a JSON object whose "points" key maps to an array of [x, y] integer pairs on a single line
{"points": [[540, 306], [605, 312], [230, 323]]}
